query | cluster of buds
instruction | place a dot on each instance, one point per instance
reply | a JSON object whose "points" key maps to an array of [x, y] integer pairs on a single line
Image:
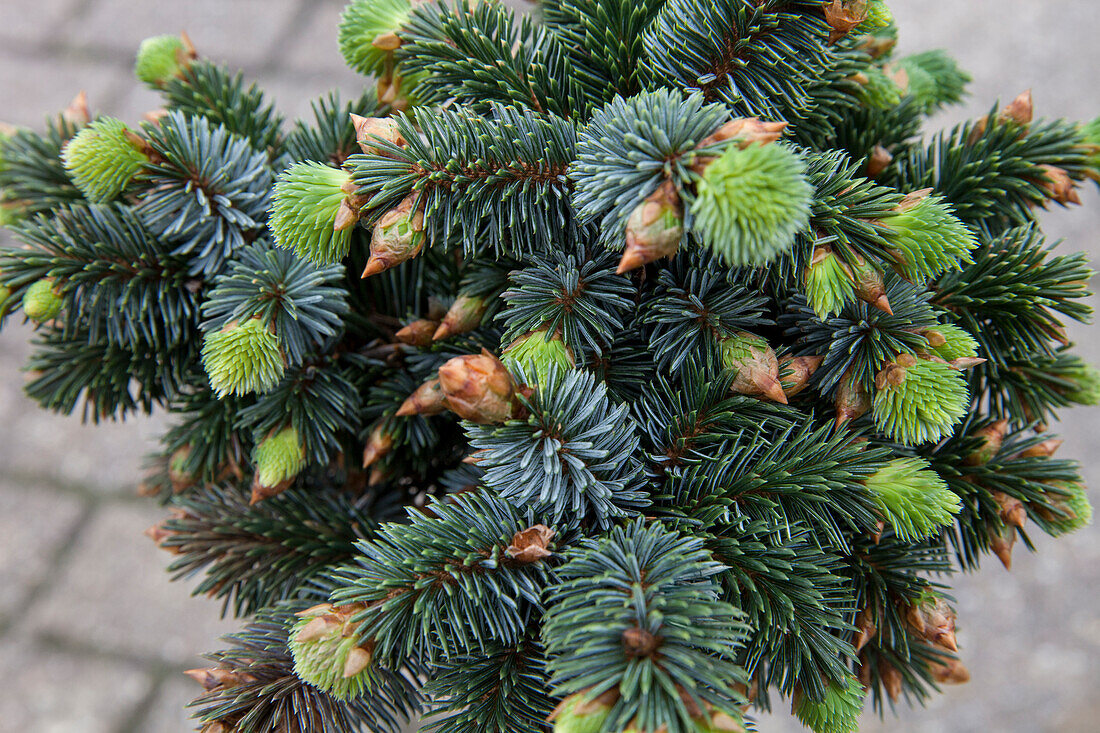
{"points": [[398, 236]]}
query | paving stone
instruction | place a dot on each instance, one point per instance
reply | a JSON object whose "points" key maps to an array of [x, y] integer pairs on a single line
{"points": [[126, 603], [294, 94], [238, 31], [51, 691], [35, 523], [32, 88], [106, 458], [33, 21]]}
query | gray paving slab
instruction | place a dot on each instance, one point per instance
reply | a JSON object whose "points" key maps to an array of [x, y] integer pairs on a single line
{"points": [[113, 596], [46, 690]]}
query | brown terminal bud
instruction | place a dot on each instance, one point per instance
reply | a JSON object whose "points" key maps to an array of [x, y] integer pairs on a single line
{"points": [[428, 399], [1046, 449], [637, 642], [755, 364], [865, 629], [478, 388], [1002, 537], [870, 285], [1059, 186], [879, 160], [379, 443], [418, 333], [891, 680], [653, 229], [77, 113], [463, 316], [852, 400]]}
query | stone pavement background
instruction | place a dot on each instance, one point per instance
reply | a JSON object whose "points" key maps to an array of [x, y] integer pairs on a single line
{"points": [[93, 636]]}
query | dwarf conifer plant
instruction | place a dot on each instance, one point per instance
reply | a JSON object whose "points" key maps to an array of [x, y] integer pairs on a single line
{"points": [[626, 369]]}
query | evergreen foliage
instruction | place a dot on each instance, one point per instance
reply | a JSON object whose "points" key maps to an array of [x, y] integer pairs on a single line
{"points": [[681, 374]]}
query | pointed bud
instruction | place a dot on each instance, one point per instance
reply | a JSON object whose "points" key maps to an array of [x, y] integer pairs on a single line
{"points": [[398, 236], [427, 400], [1046, 449], [77, 113], [949, 671], [418, 333], [1002, 537], [865, 629], [530, 545], [478, 388], [379, 443], [1020, 110], [1010, 509], [653, 229], [369, 129], [217, 678], [746, 131], [934, 621], [463, 316], [795, 372], [852, 400], [755, 365], [870, 285], [879, 160], [1059, 186], [992, 438]]}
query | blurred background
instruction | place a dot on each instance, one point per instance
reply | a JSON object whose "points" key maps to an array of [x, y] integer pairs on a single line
{"points": [[93, 637]]}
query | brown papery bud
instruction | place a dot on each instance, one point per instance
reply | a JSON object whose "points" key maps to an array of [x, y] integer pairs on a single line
{"points": [[865, 629], [843, 16], [852, 401], [1046, 449], [879, 160], [1010, 509], [478, 388], [77, 113], [653, 229], [949, 672], [870, 285], [1002, 537], [530, 545], [369, 128]]}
